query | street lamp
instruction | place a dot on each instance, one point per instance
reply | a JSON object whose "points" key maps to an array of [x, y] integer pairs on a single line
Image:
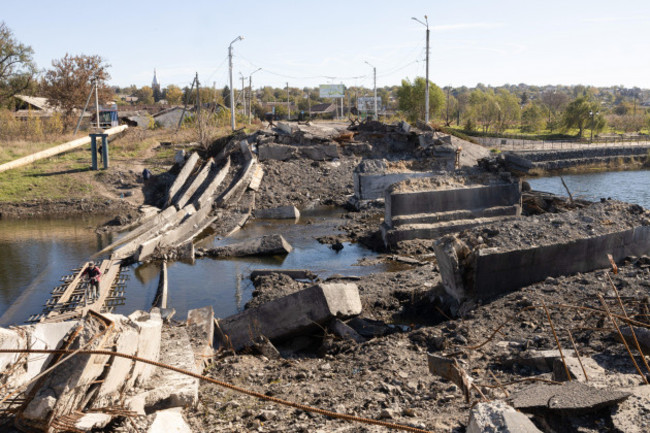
{"points": [[374, 71], [426, 88], [591, 136], [232, 91], [250, 89]]}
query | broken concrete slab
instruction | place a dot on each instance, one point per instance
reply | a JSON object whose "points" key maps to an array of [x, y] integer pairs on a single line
{"points": [[642, 336], [170, 388], [449, 369], [44, 336], [183, 198], [281, 212], [169, 421], [149, 327], [206, 198], [182, 177], [265, 245], [633, 415], [511, 258], [279, 152], [290, 315], [571, 398], [597, 376], [200, 327], [372, 178], [497, 416], [93, 420]]}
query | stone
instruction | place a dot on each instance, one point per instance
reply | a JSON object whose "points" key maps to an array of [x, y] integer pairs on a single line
{"points": [[264, 347], [265, 245], [342, 330], [497, 416], [642, 336], [93, 420], [281, 212], [290, 315], [169, 421], [571, 398]]}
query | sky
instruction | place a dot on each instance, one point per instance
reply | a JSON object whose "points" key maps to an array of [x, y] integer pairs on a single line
{"points": [[307, 43]]}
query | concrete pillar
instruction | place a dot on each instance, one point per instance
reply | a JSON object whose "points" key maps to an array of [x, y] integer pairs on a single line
{"points": [[93, 151]]}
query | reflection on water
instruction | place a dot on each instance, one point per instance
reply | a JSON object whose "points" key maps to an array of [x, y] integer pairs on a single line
{"points": [[34, 255], [628, 186]]}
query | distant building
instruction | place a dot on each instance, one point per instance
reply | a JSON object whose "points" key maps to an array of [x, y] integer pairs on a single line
{"points": [[155, 86], [327, 110]]}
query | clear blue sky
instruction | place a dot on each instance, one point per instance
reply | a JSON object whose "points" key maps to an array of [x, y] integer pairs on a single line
{"points": [[308, 43]]}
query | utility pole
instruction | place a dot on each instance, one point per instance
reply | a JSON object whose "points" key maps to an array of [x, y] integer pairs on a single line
{"points": [[243, 92], [250, 95], [448, 88], [96, 102], [232, 92], [426, 87], [288, 104], [198, 97], [374, 71]]}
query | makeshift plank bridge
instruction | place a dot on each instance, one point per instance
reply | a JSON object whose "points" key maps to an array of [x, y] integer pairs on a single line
{"points": [[71, 299]]}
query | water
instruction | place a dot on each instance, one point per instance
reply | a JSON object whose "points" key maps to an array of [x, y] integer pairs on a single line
{"points": [[35, 254], [628, 186]]}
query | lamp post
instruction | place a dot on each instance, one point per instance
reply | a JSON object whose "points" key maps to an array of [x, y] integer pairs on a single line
{"points": [[232, 91], [591, 135], [426, 87], [374, 71], [250, 89]]}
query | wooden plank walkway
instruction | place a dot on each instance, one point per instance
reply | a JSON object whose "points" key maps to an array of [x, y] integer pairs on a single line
{"points": [[71, 299]]}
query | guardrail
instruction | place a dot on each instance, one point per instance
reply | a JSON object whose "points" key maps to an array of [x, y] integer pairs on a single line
{"points": [[523, 145]]}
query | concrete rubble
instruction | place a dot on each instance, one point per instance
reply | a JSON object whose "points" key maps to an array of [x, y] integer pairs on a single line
{"points": [[497, 416], [290, 315], [265, 245]]}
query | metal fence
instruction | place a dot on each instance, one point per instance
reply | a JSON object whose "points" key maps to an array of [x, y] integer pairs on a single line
{"points": [[522, 145]]}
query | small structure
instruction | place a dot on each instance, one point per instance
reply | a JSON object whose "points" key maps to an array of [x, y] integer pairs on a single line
{"points": [[324, 111]]}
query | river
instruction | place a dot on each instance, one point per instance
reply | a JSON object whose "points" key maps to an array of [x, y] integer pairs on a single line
{"points": [[35, 254], [629, 186]]}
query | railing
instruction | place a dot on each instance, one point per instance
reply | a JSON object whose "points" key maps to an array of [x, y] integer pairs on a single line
{"points": [[524, 145]]}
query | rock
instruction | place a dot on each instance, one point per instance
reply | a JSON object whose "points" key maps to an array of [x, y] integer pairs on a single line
{"points": [[266, 245], [369, 328], [290, 315], [281, 212], [169, 421], [497, 416], [341, 329], [387, 413], [571, 398], [264, 347], [642, 336]]}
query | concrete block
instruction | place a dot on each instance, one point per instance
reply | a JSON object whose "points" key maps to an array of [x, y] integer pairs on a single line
{"points": [[243, 180], [169, 421], [373, 186], [256, 179], [10, 339], [279, 152], [179, 156], [489, 272], [245, 150], [291, 315], [479, 197], [200, 327], [281, 212], [320, 153], [497, 416], [144, 232], [598, 376], [120, 369], [149, 326], [570, 398], [265, 245], [44, 336], [342, 330], [189, 228], [286, 127], [296, 274]]}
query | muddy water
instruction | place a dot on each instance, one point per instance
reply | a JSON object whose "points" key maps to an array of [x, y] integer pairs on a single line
{"points": [[35, 254], [628, 186]]}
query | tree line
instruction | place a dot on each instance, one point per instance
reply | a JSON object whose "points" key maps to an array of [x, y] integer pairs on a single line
{"points": [[482, 109]]}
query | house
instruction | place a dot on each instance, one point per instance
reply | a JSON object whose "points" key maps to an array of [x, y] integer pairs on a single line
{"points": [[324, 111], [33, 106]]}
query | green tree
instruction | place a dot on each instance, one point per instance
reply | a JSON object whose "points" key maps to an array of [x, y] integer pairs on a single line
{"points": [[68, 83], [532, 118], [225, 94], [173, 94], [145, 95], [411, 98], [508, 109], [583, 113], [17, 67], [483, 109]]}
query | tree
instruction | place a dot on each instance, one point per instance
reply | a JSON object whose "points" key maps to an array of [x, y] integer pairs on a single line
{"points": [[508, 109], [411, 98], [225, 94], [17, 67], [532, 118], [484, 108], [68, 83], [583, 113], [145, 95], [173, 94]]}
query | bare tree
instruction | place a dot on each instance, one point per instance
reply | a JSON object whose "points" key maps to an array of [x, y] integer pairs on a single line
{"points": [[68, 83], [17, 67]]}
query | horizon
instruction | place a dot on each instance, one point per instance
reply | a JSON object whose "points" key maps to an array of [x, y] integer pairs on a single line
{"points": [[503, 43]]}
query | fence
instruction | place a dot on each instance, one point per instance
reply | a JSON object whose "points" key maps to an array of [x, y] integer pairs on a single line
{"points": [[522, 145]]}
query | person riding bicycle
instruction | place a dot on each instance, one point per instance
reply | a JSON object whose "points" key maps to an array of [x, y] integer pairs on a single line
{"points": [[93, 274]]}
